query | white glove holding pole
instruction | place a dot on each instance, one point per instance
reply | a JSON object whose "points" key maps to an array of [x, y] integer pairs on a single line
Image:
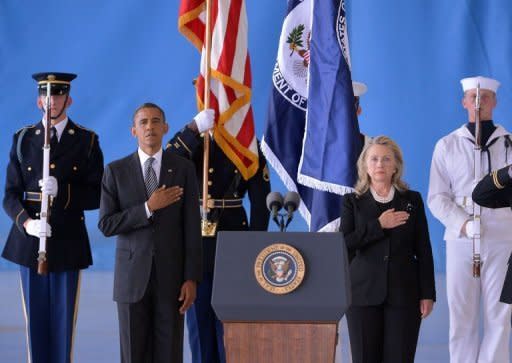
{"points": [[49, 186], [204, 120], [33, 228]]}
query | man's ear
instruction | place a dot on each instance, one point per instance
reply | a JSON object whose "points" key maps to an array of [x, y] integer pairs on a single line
{"points": [[166, 128], [132, 129], [495, 101], [463, 102], [69, 102]]}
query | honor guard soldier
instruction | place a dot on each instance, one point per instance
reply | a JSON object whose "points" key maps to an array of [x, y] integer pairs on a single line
{"points": [[227, 189], [495, 191], [478, 240], [75, 165]]}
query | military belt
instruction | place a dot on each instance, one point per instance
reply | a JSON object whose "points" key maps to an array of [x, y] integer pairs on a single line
{"points": [[223, 203]]}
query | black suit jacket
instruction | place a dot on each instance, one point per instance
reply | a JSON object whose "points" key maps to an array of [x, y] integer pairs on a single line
{"points": [[394, 266], [171, 237], [495, 191], [77, 163]]}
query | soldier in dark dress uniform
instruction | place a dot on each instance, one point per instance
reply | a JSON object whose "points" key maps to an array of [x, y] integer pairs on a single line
{"points": [[227, 189], [76, 168], [495, 191]]}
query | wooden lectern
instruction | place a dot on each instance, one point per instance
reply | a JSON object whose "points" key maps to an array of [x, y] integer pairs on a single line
{"points": [[261, 326]]}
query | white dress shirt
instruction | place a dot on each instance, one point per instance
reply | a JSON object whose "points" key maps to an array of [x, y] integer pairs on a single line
{"points": [[60, 128], [157, 165]]}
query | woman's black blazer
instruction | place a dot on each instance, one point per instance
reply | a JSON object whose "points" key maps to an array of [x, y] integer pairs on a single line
{"points": [[395, 266]]}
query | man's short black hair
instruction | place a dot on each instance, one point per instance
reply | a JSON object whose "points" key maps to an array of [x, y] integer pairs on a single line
{"points": [[149, 105]]}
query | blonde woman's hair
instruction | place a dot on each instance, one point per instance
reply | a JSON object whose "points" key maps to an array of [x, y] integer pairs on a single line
{"points": [[363, 181]]}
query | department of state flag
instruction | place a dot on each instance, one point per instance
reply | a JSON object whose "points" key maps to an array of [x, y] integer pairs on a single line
{"points": [[286, 139], [331, 139]]}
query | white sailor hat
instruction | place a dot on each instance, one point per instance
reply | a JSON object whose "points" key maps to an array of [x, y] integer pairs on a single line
{"points": [[359, 88], [485, 83]]}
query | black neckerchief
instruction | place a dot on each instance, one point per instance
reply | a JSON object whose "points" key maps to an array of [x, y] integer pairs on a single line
{"points": [[487, 127]]}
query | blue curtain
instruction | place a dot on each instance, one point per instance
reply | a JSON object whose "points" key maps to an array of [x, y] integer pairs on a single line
{"points": [[126, 52]]}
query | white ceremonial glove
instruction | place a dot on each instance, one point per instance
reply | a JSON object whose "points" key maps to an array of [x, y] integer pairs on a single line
{"points": [[204, 120], [33, 228], [49, 186], [470, 229]]}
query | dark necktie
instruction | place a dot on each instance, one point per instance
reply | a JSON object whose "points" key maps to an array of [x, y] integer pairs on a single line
{"points": [[150, 176], [53, 137]]}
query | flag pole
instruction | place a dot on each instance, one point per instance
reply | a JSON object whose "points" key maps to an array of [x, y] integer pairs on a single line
{"points": [[206, 138]]}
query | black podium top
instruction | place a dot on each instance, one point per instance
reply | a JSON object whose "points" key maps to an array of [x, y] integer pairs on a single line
{"points": [[323, 295]]}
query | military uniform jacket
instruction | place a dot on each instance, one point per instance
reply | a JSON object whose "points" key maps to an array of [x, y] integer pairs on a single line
{"points": [[227, 183], [452, 182], [77, 164], [495, 191]]}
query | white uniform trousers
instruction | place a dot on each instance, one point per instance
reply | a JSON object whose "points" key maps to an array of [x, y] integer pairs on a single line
{"points": [[467, 295]]}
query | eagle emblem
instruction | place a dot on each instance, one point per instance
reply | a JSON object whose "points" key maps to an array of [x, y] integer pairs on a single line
{"points": [[279, 268], [295, 42]]}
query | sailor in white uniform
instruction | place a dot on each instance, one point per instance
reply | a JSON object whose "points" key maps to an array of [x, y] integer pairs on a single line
{"points": [[469, 228]]}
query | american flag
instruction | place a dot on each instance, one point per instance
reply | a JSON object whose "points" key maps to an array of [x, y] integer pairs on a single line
{"points": [[230, 87]]}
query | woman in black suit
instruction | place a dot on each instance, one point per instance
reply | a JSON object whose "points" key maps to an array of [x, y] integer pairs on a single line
{"points": [[391, 265]]}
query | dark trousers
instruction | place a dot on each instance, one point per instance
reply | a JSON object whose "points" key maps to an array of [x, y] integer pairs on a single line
{"points": [[205, 330], [383, 333], [50, 304], [151, 330]]}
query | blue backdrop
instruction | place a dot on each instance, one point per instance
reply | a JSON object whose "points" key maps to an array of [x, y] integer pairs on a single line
{"points": [[126, 52]]}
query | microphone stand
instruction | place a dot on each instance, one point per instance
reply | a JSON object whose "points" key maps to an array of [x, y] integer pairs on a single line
{"points": [[279, 220]]}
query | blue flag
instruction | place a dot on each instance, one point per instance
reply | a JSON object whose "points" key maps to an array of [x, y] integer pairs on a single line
{"points": [[312, 77], [331, 139]]}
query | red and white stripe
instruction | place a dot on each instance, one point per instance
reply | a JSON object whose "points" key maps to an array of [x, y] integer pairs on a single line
{"points": [[230, 84]]}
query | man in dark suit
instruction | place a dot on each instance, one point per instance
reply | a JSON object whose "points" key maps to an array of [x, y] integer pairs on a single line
{"points": [[149, 200], [495, 191], [76, 167], [227, 189]]}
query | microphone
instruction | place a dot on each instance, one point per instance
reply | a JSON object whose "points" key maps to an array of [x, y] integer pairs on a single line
{"points": [[291, 203], [274, 204]]}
